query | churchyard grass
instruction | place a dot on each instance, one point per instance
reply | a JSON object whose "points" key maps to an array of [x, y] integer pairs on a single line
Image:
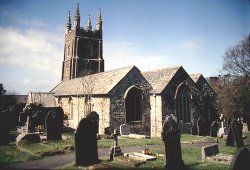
{"points": [[191, 157], [10, 154]]}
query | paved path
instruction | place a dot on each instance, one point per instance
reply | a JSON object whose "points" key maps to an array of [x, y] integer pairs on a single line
{"points": [[60, 160], [52, 162]]}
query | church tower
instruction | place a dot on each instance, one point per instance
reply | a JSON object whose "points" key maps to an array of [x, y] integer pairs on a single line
{"points": [[83, 50]]}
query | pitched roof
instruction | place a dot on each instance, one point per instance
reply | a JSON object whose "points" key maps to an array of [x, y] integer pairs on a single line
{"points": [[160, 78], [100, 83], [44, 98], [195, 77]]}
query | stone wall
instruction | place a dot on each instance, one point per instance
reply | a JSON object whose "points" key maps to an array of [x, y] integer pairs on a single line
{"points": [[80, 110], [168, 101], [117, 103]]}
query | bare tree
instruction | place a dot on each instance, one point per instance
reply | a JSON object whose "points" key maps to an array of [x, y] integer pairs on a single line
{"points": [[237, 59]]}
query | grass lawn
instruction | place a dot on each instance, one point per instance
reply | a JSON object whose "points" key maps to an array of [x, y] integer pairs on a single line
{"points": [[10, 154], [191, 158]]}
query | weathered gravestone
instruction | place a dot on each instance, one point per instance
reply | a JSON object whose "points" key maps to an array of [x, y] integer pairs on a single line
{"points": [[53, 126], [125, 129], [208, 151], [241, 160], [171, 137], [214, 129], [86, 150], [234, 135]]}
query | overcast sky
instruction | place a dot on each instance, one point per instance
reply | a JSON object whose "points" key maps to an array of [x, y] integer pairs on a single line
{"points": [[150, 34]]}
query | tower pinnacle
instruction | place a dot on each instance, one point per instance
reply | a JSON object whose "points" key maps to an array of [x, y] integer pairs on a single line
{"points": [[68, 23], [77, 17], [99, 21], [89, 26]]}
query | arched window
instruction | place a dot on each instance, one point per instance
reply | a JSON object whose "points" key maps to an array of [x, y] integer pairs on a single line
{"points": [[183, 106], [70, 108], [133, 102]]}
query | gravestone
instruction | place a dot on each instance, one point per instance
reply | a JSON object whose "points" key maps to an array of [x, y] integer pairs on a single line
{"points": [[125, 129], [181, 126], [234, 134], [27, 137], [22, 118], [86, 150], [194, 130], [200, 127], [171, 137], [53, 126], [208, 151], [241, 160], [214, 129]]}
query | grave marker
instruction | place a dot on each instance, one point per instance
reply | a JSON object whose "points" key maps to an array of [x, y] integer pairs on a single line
{"points": [[53, 126], [86, 150], [171, 137], [241, 160], [214, 129], [125, 129]]}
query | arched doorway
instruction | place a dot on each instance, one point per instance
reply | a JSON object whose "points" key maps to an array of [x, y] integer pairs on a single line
{"points": [[133, 102], [183, 103]]}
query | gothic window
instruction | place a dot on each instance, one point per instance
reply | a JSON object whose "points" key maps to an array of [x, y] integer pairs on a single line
{"points": [[70, 108], [183, 100], [133, 102]]}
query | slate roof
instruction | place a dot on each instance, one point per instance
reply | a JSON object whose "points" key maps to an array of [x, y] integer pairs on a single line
{"points": [[160, 78], [100, 83], [195, 77], [44, 98]]}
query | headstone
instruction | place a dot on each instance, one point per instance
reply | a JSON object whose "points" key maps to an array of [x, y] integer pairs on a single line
{"points": [[241, 160], [200, 127], [193, 130], [27, 137], [234, 134], [53, 126], [22, 118], [230, 137], [107, 131], [86, 150], [208, 151], [237, 133], [125, 129], [214, 129], [171, 137], [181, 126]]}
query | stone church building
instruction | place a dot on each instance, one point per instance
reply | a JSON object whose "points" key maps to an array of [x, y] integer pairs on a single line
{"points": [[125, 95]]}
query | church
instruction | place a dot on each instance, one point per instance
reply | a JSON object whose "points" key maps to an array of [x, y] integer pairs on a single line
{"points": [[124, 95]]}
